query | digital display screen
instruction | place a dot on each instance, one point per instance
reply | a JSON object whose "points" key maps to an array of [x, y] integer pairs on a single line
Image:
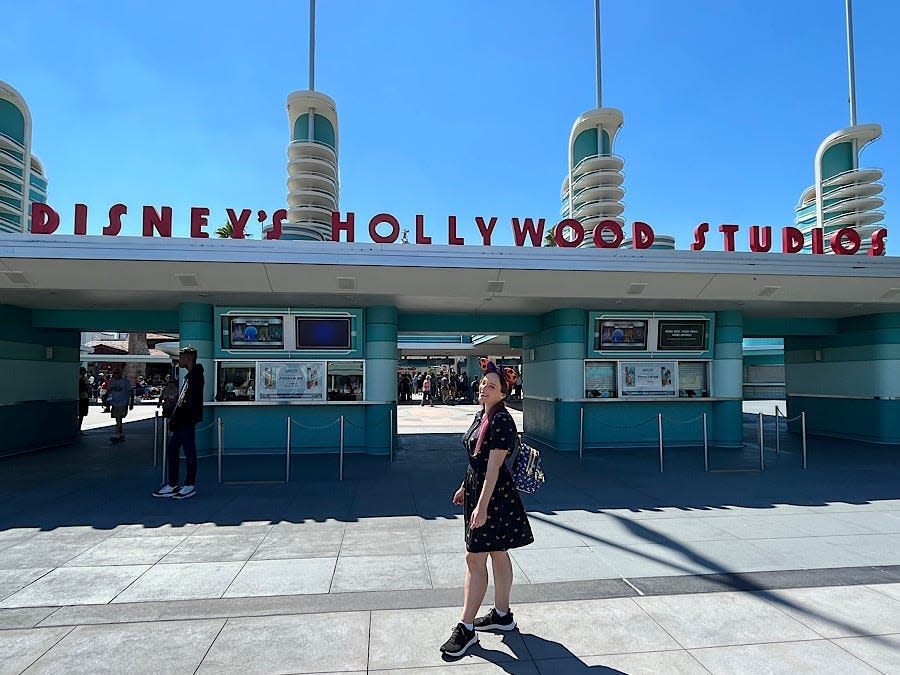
{"points": [[620, 334], [253, 332], [319, 332], [682, 335]]}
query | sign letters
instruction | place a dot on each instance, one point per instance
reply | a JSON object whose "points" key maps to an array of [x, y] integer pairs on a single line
{"points": [[384, 228]]}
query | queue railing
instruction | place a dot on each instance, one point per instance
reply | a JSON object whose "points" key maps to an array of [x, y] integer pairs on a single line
{"points": [[802, 418], [702, 418]]}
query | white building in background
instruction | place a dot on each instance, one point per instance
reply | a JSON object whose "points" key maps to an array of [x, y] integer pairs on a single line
{"points": [[18, 167]]}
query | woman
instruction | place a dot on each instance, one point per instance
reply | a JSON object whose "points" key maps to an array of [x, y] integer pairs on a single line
{"points": [[495, 519], [84, 397]]}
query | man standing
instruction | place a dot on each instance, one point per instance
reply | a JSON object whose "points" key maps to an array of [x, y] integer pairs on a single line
{"points": [[120, 396], [188, 412]]}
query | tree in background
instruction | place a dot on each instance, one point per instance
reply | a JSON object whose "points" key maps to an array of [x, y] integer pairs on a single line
{"points": [[549, 239], [227, 232]]}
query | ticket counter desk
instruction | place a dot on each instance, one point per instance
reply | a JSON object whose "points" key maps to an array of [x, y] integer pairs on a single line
{"points": [[300, 406]]}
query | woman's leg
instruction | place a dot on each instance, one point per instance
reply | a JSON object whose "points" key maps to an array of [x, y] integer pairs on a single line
{"points": [[501, 566], [476, 585]]}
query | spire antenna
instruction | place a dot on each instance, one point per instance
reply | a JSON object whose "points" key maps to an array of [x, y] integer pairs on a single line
{"points": [[312, 45], [597, 49], [851, 68]]}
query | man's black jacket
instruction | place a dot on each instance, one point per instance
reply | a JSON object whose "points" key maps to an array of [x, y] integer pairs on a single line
{"points": [[189, 409]]}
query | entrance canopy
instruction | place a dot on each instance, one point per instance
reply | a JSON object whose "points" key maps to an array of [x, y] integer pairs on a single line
{"points": [[469, 282]]}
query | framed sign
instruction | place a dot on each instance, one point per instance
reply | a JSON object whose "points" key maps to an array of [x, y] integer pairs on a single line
{"points": [[646, 378], [290, 381], [620, 334], [323, 332], [253, 332], [681, 335]]}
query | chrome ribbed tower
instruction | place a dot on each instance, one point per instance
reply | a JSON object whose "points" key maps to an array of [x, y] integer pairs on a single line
{"points": [[313, 176], [592, 189], [844, 194], [22, 179]]}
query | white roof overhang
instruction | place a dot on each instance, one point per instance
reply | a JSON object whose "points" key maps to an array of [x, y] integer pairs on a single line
{"points": [[95, 272]]}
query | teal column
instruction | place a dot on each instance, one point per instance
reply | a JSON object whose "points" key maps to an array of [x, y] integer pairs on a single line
{"points": [[195, 328], [381, 376], [566, 333], [553, 367], [727, 381]]}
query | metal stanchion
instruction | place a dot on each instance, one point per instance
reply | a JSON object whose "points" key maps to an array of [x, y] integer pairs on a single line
{"points": [[777, 432], [165, 451], [391, 433], [287, 468], [803, 430], [220, 445], [155, 436], [762, 459], [659, 424], [705, 446], [581, 436], [341, 468]]}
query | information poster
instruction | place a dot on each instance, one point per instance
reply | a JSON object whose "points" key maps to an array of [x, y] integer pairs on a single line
{"points": [[682, 335], [647, 378], [599, 379], [291, 381]]}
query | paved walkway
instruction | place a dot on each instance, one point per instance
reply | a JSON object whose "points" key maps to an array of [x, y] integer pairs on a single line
{"points": [[632, 570]]}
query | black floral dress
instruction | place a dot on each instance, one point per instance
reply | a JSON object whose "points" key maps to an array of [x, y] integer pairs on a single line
{"points": [[507, 524]]}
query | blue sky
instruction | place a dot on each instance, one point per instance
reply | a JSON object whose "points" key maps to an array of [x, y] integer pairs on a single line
{"points": [[449, 108]]}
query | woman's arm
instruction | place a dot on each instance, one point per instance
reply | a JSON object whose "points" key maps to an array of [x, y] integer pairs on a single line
{"points": [[495, 460]]}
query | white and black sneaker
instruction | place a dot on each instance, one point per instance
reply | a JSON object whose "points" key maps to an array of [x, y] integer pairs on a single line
{"points": [[184, 492], [493, 621], [165, 491], [460, 640]]}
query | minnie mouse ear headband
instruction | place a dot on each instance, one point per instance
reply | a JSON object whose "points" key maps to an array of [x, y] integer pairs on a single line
{"points": [[487, 366], [508, 374]]}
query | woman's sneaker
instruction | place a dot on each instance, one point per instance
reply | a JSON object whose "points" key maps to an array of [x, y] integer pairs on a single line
{"points": [[184, 492], [493, 621], [165, 491], [460, 640]]}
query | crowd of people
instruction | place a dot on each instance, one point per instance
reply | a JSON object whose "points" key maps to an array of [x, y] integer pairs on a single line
{"points": [[117, 394], [444, 387]]}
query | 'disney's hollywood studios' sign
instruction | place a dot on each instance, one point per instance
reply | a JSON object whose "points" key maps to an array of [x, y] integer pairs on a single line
{"points": [[384, 228]]}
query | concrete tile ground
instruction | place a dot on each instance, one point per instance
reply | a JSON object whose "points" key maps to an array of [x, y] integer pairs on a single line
{"points": [[631, 571]]}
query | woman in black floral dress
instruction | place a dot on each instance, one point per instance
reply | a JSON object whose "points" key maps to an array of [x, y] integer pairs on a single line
{"points": [[495, 519]]}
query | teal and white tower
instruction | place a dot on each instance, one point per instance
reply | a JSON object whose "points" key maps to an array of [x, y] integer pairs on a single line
{"points": [[18, 167], [313, 176], [844, 194], [592, 189]]}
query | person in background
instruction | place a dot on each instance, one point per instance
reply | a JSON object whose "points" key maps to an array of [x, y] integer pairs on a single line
{"points": [[168, 397], [120, 397], [182, 425], [495, 519], [426, 391], [84, 396], [104, 392]]}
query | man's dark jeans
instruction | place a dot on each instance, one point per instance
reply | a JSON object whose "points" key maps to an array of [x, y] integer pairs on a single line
{"points": [[179, 438]]}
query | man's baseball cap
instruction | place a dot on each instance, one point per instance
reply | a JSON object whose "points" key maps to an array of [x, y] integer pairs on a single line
{"points": [[188, 350]]}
